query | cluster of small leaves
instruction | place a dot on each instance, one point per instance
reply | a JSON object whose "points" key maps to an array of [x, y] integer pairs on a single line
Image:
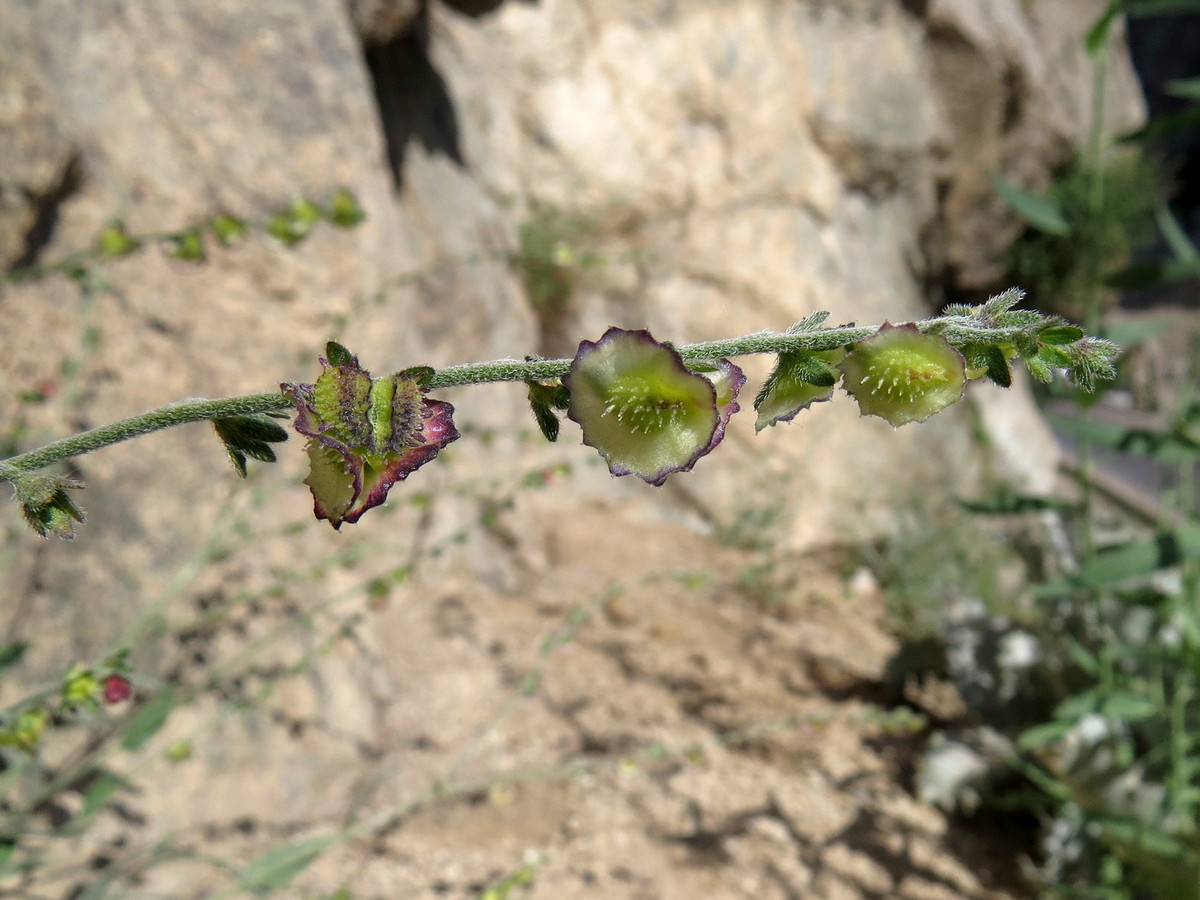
{"points": [[190, 244], [1044, 343], [1121, 749], [82, 689]]}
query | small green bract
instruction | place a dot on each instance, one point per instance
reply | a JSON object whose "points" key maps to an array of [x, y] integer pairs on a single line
{"points": [[800, 379], [46, 505]]}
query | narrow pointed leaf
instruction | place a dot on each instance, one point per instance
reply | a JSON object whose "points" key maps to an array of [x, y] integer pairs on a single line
{"points": [[1131, 560], [1002, 303], [1042, 212], [809, 323], [540, 402], [275, 869], [1060, 334], [1039, 369], [1097, 36], [998, 370], [1172, 231], [147, 720], [248, 436], [337, 355]]}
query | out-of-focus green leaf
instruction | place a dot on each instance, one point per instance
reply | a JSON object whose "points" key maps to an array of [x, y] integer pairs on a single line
{"points": [[1165, 126], [344, 210], [276, 868], [146, 721], [1135, 833], [1185, 88], [1097, 36], [1165, 864], [1046, 733], [228, 229], [1173, 233], [1128, 332], [1042, 212], [116, 241], [1135, 558], [187, 247], [1007, 503], [305, 213], [102, 789], [13, 653], [286, 230], [1154, 273], [1140, 9], [1128, 707], [1164, 446], [1083, 656]]}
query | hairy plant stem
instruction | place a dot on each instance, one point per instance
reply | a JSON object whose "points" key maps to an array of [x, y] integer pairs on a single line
{"points": [[957, 330], [155, 420]]}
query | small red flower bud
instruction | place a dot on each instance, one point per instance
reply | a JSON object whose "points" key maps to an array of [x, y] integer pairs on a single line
{"points": [[116, 689]]}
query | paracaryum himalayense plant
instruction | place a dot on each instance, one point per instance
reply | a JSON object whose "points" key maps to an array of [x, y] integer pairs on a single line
{"points": [[651, 409]]}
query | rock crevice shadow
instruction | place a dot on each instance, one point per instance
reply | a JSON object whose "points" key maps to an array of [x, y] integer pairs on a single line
{"points": [[413, 99]]}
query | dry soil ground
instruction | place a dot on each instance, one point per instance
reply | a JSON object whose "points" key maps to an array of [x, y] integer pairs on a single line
{"points": [[701, 725]]}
